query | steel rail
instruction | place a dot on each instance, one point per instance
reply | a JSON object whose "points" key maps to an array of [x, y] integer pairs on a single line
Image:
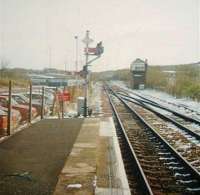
{"points": [[141, 175], [177, 105], [186, 164], [183, 116], [181, 126]]}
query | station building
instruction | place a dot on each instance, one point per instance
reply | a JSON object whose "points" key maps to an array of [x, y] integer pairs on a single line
{"points": [[138, 73]]}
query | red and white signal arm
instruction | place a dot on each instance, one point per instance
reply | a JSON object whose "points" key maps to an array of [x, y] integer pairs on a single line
{"points": [[66, 96], [90, 50]]}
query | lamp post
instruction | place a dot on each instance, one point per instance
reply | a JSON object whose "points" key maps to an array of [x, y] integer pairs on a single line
{"points": [[50, 57], [76, 61]]}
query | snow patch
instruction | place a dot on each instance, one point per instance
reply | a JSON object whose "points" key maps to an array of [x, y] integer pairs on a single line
{"points": [[74, 185]]}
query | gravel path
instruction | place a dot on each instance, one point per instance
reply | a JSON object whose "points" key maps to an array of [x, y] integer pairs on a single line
{"points": [[32, 159]]}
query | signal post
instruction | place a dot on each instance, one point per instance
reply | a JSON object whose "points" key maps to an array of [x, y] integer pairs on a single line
{"points": [[89, 51]]}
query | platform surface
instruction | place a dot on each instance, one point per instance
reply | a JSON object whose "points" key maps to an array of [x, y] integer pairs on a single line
{"points": [[78, 174], [94, 165], [31, 160]]}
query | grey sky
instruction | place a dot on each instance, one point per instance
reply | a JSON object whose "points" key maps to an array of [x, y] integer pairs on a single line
{"points": [[165, 32]]}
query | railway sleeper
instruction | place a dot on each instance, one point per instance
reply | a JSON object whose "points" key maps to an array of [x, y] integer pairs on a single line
{"points": [[165, 187], [154, 173], [150, 166], [167, 179]]}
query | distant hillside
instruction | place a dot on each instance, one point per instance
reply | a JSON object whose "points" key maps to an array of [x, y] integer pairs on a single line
{"points": [[177, 67], [17, 75], [20, 76], [124, 74], [179, 80]]}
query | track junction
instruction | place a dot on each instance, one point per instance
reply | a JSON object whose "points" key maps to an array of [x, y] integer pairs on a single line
{"points": [[160, 152]]}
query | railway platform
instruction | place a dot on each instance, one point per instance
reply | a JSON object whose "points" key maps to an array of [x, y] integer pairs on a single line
{"points": [[94, 165], [31, 160], [65, 156]]}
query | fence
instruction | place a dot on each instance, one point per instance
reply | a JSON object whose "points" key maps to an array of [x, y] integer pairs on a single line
{"points": [[19, 106], [34, 102]]}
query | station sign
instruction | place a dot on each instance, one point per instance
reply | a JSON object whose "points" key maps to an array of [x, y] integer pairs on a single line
{"points": [[63, 96]]}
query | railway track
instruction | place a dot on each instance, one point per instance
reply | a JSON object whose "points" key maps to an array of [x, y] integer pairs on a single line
{"points": [[177, 106], [152, 165], [192, 118], [192, 112], [189, 127], [183, 139]]}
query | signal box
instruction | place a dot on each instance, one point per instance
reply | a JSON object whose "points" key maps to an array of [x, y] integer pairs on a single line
{"points": [[138, 73]]}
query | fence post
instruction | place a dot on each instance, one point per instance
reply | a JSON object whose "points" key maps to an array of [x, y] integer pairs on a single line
{"points": [[42, 106], [9, 108], [62, 109], [30, 103]]}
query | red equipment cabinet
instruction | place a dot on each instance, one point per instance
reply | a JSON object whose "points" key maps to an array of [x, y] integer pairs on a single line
{"points": [[63, 96], [66, 96]]}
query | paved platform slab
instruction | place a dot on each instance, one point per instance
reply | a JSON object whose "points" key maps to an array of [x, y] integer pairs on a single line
{"points": [[111, 176], [31, 160], [94, 165], [78, 174]]}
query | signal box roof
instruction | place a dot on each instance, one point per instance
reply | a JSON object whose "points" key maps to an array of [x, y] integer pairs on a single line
{"points": [[138, 65], [138, 60]]}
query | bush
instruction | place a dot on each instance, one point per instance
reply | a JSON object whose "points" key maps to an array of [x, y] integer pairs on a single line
{"points": [[184, 84], [156, 78]]}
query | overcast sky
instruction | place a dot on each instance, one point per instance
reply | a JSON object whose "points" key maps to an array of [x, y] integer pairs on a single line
{"points": [[164, 32]]}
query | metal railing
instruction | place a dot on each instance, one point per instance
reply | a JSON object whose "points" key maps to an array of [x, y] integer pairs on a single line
{"points": [[16, 114]]}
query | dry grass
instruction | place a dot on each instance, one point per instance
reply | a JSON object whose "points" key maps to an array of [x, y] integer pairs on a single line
{"points": [[19, 82]]}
